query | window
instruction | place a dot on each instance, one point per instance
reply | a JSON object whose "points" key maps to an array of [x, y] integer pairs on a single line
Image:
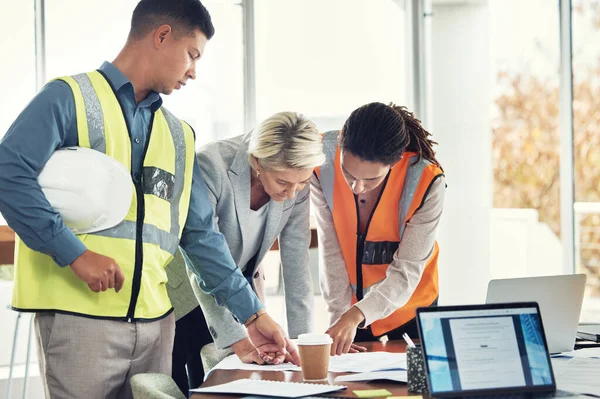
{"points": [[80, 35], [525, 226], [212, 105], [17, 69], [586, 120], [326, 58]]}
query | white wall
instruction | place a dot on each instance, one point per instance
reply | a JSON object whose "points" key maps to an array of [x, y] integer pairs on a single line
{"points": [[522, 246], [460, 91]]}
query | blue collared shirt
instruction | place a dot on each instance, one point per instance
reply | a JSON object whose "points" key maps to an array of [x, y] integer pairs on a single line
{"points": [[47, 123]]}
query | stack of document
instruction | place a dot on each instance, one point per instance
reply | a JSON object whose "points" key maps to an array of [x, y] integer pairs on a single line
{"points": [[367, 361], [586, 353], [578, 371], [391, 375], [363, 362], [277, 389]]}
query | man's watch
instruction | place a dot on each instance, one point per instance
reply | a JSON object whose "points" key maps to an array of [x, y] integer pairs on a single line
{"points": [[255, 316]]}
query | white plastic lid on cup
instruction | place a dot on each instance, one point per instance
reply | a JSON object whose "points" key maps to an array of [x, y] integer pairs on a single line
{"points": [[314, 339]]}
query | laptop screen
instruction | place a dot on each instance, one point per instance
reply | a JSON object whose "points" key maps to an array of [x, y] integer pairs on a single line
{"points": [[485, 349]]}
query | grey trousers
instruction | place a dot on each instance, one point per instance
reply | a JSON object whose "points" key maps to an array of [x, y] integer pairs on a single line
{"points": [[88, 358]]}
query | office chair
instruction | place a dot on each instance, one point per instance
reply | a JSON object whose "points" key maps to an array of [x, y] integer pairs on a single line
{"points": [[155, 386], [211, 356], [13, 354]]}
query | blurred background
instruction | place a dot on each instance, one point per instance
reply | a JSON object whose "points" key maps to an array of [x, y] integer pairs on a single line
{"points": [[510, 90]]}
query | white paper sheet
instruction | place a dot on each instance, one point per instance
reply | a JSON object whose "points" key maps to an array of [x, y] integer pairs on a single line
{"points": [[277, 389], [349, 362], [367, 361], [579, 375], [586, 353], [392, 375], [232, 362]]}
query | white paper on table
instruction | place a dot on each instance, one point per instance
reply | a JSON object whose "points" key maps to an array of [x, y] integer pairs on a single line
{"points": [[367, 361], [586, 353], [232, 362], [350, 362], [392, 375], [578, 375], [277, 389]]}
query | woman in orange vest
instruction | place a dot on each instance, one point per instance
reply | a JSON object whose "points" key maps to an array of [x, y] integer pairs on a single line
{"points": [[378, 200]]}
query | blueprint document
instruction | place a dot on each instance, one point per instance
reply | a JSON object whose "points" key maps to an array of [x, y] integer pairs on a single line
{"points": [[577, 375]]}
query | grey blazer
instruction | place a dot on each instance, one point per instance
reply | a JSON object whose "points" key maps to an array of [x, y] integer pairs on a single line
{"points": [[226, 171], [179, 289]]}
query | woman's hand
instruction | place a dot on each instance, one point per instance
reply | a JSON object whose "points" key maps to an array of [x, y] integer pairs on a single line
{"points": [[247, 352], [357, 348], [272, 343], [343, 331]]}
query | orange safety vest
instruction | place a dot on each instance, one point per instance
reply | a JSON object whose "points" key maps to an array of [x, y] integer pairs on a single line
{"points": [[367, 256]]}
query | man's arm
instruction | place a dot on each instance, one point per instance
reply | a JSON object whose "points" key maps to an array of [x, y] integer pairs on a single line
{"points": [[226, 331], [209, 257], [47, 123]]}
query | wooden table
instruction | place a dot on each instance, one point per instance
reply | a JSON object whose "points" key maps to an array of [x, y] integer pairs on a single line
{"points": [[222, 376]]}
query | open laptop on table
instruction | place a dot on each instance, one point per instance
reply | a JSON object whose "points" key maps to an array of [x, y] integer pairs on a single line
{"points": [[559, 298], [486, 350]]}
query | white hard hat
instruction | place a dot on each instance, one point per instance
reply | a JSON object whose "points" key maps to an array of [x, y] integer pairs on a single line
{"points": [[90, 190]]}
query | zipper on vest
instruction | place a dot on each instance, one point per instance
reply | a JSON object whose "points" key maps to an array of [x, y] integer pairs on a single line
{"points": [[139, 227], [139, 248], [139, 224], [361, 238]]}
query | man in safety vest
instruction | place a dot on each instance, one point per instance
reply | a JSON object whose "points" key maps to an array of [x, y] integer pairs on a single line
{"points": [[102, 310], [378, 199]]}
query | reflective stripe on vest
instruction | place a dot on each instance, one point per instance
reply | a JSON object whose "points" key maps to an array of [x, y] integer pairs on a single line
{"points": [[93, 111], [327, 174], [327, 170], [405, 190], [145, 241], [154, 180]]}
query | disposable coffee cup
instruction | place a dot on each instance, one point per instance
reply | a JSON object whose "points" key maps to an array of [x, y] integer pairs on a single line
{"points": [[314, 354]]}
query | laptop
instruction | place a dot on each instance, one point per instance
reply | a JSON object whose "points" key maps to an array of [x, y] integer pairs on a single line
{"points": [[486, 350], [559, 298]]}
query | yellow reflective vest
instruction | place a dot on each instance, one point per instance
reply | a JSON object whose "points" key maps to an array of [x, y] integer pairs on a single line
{"points": [[145, 241]]}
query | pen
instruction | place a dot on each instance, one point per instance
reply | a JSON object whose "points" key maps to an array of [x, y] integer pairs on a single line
{"points": [[408, 340]]}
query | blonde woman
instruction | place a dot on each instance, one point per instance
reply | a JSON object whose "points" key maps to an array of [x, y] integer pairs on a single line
{"points": [[258, 185]]}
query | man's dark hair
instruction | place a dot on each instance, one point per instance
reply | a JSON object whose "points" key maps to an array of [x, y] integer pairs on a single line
{"points": [[184, 16], [382, 133]]}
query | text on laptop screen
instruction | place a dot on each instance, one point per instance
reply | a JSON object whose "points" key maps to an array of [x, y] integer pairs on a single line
{"points": [[485, 349]]}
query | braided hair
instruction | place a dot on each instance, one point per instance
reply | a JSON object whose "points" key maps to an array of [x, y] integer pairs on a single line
{"points": [[381, 133]]}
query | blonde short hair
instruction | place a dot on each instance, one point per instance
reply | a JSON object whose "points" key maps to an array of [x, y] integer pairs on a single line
{"points": [[286, 140]]}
